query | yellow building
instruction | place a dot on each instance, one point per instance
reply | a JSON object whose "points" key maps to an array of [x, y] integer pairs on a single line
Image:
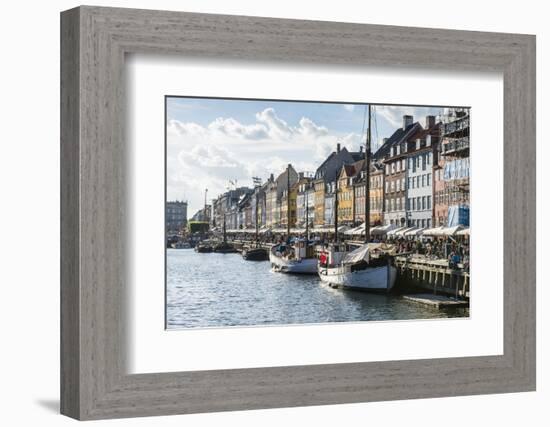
{"points": [[286, 204], [376, 195], [345, 195], [319, 186]]}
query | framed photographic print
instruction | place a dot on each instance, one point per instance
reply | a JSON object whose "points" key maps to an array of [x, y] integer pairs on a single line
{"points": [[261, 213]]}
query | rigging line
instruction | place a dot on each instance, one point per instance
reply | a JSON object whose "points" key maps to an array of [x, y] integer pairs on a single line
{"points": [[375, 126], [364, 118]]}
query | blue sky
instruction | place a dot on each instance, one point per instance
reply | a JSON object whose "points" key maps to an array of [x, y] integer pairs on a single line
{"points": [[212, 141]]}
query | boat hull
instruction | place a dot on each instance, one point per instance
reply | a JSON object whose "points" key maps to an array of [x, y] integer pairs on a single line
{"points": [[300, 266], [375, 279], [256, 254]]}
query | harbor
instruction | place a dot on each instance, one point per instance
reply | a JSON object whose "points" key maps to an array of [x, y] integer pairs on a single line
{"points": [[206, 290], [369, 235]]}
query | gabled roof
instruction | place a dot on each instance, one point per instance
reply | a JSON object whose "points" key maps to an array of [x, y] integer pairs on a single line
{"points": [[421, 134], [329, 170], [400, 135], [349, 170]]}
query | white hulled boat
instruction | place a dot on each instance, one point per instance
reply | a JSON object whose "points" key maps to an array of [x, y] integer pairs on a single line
{"points": [[298, 258], [368, 267]]}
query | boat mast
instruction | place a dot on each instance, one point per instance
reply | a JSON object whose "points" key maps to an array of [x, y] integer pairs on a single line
{"points": [[256, 215], [307, 215], [224, 230], [288, 201], [367, 179], [205, 216], [336, 210]]}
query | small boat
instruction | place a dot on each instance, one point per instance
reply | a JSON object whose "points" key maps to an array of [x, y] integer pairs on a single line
{"points": [[296, 258], [204, 247], [224, 248], [255, 254], [181, 245], [367, 268]]}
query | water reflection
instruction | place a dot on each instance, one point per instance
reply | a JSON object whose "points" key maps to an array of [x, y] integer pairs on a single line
{"points": [[216, 290]]}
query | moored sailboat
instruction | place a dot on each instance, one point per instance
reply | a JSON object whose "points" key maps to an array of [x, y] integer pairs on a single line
{"points": [[298, 257], [367, 267], [255, 252]]}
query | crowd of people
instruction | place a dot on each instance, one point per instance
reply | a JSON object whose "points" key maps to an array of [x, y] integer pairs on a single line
{"points": [[455, 250]]}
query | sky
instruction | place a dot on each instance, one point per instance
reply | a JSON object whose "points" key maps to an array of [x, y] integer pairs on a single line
{"points": [[211, 142]]}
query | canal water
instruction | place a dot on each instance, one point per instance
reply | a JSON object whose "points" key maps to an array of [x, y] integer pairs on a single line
{"points": [[218, 290]]}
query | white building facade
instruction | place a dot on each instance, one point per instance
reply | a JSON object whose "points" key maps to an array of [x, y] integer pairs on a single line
{"points": [[420, 184]]}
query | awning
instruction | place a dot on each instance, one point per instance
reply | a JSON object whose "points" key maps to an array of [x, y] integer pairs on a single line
{"points": [[356, 231], [382, 229], [443, 231], [404, 231], [415, 231], [464, 232], [394, 231]]}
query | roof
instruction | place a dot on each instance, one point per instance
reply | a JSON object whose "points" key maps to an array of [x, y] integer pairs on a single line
{"points": [[421, 133], [330, 168], [397, 137]]}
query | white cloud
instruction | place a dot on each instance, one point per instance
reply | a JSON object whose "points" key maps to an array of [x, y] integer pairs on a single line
{"points": [[349, 107], [233, 128], [208, 156], [394, 114]]}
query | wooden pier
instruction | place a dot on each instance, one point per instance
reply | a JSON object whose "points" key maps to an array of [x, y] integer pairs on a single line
{"points": [[436, 301], [434, 275]]}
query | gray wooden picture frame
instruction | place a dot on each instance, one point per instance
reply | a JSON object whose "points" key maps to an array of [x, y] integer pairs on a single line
{"points": [[94, 41]]}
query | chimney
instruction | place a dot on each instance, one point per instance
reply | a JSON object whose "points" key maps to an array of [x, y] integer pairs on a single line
{"points": [[271, 178], [301, 175], [407, 121], [361, 148], [430, 122], [338, 147]]}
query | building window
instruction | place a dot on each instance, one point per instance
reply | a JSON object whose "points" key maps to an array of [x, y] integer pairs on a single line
{"points": [[423, 202], [423, 180], [428, 179], [403, 164], [429, 202]]}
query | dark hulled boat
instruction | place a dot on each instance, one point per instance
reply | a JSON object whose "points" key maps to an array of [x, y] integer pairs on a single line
{"points": [[224, 248], [255, 254]]}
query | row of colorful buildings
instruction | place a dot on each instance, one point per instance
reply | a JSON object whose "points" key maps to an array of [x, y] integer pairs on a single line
{"points": [[418, 177]]}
